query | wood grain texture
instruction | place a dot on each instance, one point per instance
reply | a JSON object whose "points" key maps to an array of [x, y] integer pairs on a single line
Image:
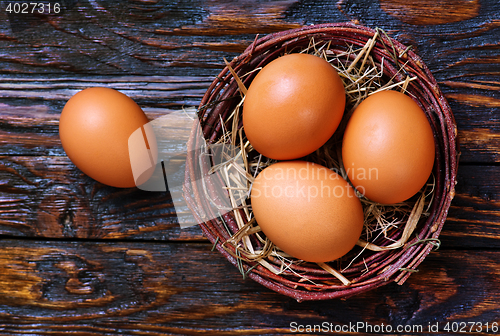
{"points": [[92, 288], [30, 109], [113, 44], [474, 217], [430, 12], [185, 37], [236, 18], [82, 258], [49, 197]]}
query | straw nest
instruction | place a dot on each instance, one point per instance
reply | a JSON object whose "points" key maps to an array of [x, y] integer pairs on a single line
{"points": [[396, 238]]}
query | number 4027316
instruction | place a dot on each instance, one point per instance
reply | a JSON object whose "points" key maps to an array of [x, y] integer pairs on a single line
{"points": [[33, 7], [463, 327]]}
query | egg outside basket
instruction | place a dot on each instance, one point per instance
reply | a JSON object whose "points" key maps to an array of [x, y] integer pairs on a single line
{"points": [[378, 266]]}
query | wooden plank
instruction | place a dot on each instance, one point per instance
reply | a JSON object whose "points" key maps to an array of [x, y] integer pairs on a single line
{"points": [[30, 108], [184, 289], [191, 37], [19, 93], [474, 216], [425, 12], [465, 61], [164, 55], [49, 197], [111, 42]]}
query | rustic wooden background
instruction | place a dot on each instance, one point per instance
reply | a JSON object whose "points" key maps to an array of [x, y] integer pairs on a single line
{"points": [[82, 258]]}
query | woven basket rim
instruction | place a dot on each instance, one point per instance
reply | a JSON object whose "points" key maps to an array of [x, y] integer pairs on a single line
{"points": [[412, 255]]}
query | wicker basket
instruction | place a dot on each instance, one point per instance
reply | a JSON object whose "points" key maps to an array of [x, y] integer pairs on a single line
{"points": [[377, 267]]}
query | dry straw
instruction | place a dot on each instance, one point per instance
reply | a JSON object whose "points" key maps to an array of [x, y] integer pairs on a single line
{"points": [[396, 238]]}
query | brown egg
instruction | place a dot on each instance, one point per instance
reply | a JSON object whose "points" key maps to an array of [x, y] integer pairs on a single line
{"points": [[293, 106], [388, 147], [94, 128], [307, 210]]}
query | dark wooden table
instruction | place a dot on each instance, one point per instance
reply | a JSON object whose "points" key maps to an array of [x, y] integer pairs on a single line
{"points": [[81, 258]]}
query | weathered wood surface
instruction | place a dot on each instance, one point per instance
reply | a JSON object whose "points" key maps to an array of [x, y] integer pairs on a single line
{"points": [[30, 107], [47, 196], [77, 256], [150, 289]]}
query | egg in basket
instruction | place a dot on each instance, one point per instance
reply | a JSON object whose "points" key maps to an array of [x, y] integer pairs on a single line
{"points": [[347, 161]]}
